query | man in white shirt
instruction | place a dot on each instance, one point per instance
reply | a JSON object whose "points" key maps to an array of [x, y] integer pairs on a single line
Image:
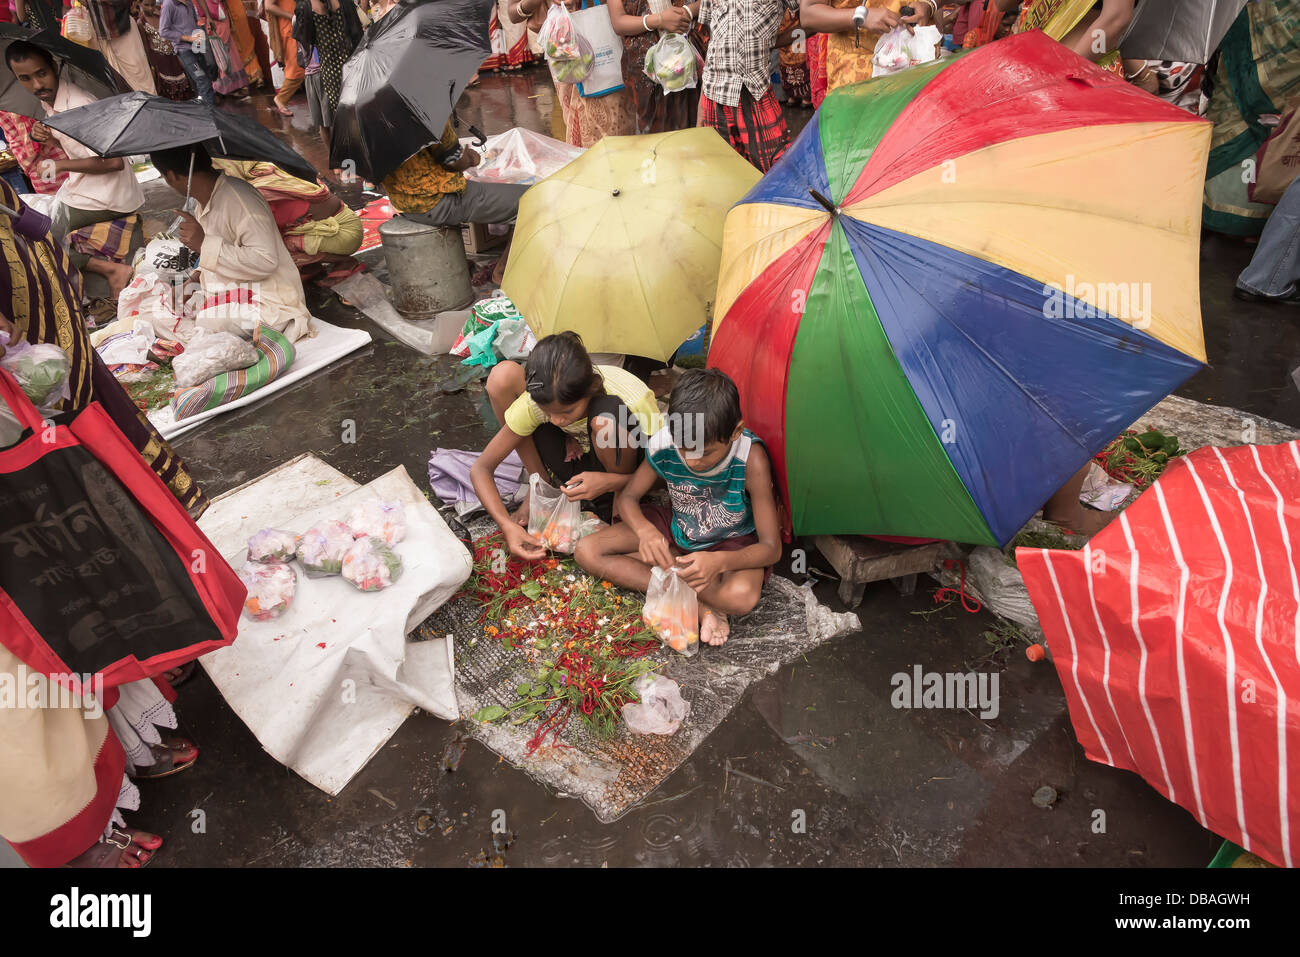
{"points": [[98, 189], [244, 265]]}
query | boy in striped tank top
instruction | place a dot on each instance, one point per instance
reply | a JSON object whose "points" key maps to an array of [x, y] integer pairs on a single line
{"points": [[722, 532]]}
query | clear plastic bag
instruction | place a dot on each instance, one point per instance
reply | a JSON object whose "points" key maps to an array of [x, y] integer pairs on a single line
{"points": [[375, 519], [371, 565], [671, 63], [542, 499], [891, 53], [271, 587], [521, 156], [41, 370], [568, 53], [272, 545], [552, 518], [322, 547], [672, 611], [209, 354], [661, 708]]}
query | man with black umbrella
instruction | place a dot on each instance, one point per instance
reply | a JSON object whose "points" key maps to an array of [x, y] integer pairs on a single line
{"points": [[97, 189], [431, 188]]}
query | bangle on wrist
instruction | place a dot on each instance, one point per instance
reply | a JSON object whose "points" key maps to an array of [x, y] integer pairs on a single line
{"points": [[645, 24]]}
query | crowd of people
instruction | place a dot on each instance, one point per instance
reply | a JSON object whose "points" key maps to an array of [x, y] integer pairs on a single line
{"points": [[589, 424]]}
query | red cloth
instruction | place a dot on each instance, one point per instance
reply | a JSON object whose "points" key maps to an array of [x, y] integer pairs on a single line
{"points": [[1174, 635], [756, 129]]}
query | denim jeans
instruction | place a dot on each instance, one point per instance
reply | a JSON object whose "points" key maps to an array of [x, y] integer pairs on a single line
{"points": [[200, 74], [1274, 270]]}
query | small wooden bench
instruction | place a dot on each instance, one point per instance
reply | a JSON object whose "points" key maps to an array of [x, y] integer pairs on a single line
{"points": [[860, 560]]}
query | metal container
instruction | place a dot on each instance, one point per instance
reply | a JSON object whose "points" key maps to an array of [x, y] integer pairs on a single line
{"points": [[427, 268]]}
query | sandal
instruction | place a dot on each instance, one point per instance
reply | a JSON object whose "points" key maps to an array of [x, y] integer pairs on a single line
{"points": [[165, 762], [183, 674], [110, 851]]}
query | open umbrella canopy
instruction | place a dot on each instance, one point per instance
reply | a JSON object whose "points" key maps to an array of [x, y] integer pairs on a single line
{"points": [[403, 80], [1183, 30], [622, 245], [87, 68], [1174, 635], [958, 285], [136, 123]]}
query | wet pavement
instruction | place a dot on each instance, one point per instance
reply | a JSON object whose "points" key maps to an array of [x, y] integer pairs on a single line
{"points": [[844, 777]]}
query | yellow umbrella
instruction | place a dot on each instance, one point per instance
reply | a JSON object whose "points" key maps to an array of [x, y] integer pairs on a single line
{"points": [[622, 245]]}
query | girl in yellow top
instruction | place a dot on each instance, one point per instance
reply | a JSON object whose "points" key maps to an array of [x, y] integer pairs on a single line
{"points": [[581, 427]]}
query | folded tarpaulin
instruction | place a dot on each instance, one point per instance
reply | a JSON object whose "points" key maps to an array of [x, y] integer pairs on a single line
{"points": [[1174, 634]]}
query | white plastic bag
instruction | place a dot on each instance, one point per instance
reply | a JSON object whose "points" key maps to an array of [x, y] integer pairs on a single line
{"points": [[322, 547], [151, 298], [272, 545], [568, 53], [165, 257], [891, 55], [128, 348], [41, 371], [542, 499], [672, 611], [371, 565], [209, 354], [383, 520], [661, 708], [671, 63], [271, 587]]}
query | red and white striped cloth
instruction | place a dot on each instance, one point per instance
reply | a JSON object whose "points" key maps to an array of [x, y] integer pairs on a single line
{"points": [[1176, 635]]}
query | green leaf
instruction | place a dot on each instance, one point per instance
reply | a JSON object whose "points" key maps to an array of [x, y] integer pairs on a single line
{"points": [[522, 689], [532, 589], [493, 712]]}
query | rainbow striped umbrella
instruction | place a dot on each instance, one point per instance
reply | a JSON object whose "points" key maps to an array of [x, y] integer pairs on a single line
{"points": [[958, 285]]}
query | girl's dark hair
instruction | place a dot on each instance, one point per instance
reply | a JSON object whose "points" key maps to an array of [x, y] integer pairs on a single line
{"points": [[560, 371]]}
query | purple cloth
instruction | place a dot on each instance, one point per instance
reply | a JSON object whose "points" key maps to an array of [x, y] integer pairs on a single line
{"points": [[449, 475], [177, 20]]}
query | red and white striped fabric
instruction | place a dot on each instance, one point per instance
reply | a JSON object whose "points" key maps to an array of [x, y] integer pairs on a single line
{"points": [[1176, 635]]}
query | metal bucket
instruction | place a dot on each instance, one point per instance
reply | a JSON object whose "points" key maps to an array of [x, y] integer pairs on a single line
{"points": [[427, 269]]}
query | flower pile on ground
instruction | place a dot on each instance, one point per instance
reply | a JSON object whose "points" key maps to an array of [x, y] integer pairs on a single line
{"points": [[583, 639]]}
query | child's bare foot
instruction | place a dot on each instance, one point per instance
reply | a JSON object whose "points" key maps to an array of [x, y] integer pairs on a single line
{"points": [[130, 848], [715, 629]]}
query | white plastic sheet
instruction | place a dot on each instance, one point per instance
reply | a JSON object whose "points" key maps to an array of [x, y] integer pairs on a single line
{"points": [[324, 686]]}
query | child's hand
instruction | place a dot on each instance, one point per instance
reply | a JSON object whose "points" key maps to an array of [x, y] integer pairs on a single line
{"points": [[521, 544], [699, 569], [585, 486], [654, 548]]}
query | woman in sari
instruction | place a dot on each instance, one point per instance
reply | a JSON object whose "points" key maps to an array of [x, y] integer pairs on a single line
{"points": [[587, 120], [244, 49], [1258, 74], [656, 110], [168, 72], [232, 77], [792, 54], [509, 40], [1090, 29]]}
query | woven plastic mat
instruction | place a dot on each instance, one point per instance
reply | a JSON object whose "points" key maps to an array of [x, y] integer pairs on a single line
{"points": [[612, 776]]}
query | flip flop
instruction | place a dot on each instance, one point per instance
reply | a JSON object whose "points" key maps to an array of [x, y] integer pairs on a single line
{"points": [[164, 765], [108, 852]]}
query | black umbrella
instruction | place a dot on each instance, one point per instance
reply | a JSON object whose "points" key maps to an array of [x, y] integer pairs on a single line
{"points": [[87, 68], [402, 82], [136, 123]]}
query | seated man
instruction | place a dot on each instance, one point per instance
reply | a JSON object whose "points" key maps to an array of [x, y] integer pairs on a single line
{"points": [[431, 188], [317, 226], [245, 270], [98, 189], [722, 533]]}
